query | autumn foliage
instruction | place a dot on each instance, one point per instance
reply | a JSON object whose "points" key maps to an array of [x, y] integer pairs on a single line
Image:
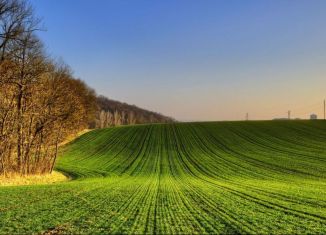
{"points": [[40, 101]]}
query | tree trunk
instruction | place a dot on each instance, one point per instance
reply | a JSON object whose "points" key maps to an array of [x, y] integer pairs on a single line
{"points": [[56, 151], [19, 129]]}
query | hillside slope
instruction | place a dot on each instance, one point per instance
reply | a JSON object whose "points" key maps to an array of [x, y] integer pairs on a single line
{"points": [[224, 177]]}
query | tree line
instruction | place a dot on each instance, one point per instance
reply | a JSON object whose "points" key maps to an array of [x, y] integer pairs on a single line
{"points": [[40, 100], [115, 113]]}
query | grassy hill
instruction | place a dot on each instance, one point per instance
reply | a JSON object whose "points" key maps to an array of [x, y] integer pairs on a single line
{"points": [[222, 177]]}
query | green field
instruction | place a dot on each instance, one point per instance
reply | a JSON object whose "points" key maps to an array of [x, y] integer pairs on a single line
{"points": [[222, 177]]}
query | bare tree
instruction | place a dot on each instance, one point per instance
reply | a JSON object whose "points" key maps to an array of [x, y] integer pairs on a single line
{"points": [[109, 118], [102, 119], [40, 101], [16, 18], [117, 118], [131, 118]]}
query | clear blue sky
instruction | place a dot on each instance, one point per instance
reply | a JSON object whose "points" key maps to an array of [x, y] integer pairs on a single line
{"points": [[195, 59]]}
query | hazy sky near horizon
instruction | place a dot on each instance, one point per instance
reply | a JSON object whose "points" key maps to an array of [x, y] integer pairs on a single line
{"points": [[195, 59]]}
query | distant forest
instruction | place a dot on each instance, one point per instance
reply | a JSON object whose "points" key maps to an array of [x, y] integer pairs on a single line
{"points": [[41, 102], [115, 113]]}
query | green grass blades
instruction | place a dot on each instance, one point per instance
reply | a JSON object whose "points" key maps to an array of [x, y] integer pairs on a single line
{"points": [[266, 177]]}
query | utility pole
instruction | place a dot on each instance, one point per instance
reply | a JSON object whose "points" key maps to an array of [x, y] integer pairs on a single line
{"points": [[324, 109], [289, 114]]}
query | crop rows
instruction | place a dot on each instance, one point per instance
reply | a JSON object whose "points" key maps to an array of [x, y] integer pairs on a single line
{"points": [[223, 177]]}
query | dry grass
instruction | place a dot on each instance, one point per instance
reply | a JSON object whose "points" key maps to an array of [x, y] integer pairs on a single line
{"points": [[15, 179], [32, 179], [74, 136]]}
